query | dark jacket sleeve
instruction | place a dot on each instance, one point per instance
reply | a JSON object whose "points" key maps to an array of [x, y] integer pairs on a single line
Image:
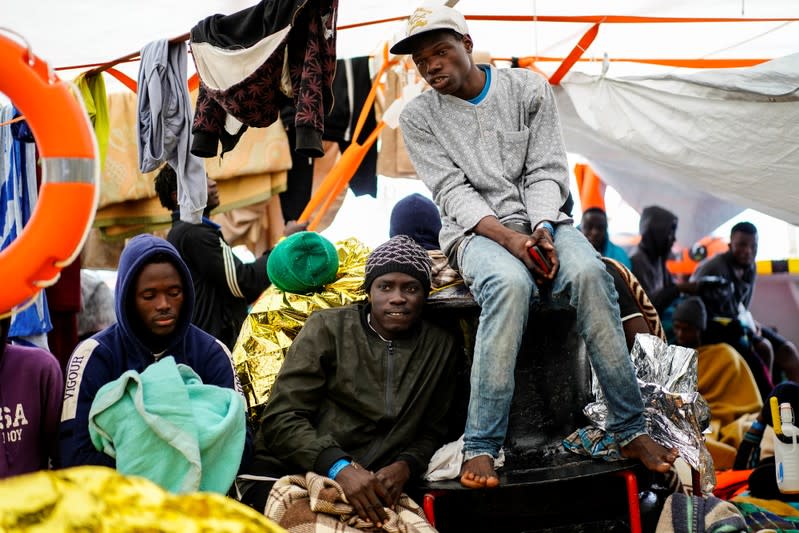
{"points": [[434, 426], [287, 428], [212, 257], [645, 273], [709, 267], [663, 298], [642, 271], [87, 371]]}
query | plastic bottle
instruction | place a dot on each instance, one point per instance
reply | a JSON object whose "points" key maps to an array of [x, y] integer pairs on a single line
{"points": [[787, 453]]}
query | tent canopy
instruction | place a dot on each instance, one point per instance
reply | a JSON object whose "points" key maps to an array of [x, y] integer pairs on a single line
{"points": [[711, 144], [90, 31]]}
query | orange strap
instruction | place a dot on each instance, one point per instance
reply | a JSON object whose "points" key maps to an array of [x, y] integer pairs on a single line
{"points": [[130, 83], [575, 54], [616, 19], [126, 80], [529, 61], [341, 173], [12, 121], [194, 82], [590, 18]]}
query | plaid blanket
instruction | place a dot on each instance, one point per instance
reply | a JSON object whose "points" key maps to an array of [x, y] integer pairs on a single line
{"points": [[694, 514], [768, 515], [442, 274], [316, 504]]}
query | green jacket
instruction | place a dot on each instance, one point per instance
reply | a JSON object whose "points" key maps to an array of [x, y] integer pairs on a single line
{"points": [[344, 392]]}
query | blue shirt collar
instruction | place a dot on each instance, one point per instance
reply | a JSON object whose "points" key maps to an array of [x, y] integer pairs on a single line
{"points": [[480, 97]]}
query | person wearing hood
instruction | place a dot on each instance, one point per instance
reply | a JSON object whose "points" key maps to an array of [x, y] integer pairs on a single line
{"points": [[658, 228], [31, 388], [417, 217], [154, 304]]}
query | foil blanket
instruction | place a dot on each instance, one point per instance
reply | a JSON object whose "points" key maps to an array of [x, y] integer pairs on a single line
{"points": [[95, 498], [276, 318], [676, 414]]}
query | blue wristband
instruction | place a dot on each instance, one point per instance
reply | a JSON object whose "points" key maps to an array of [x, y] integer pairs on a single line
{"points": [[758, 426], [337, 467], [548, 226]]}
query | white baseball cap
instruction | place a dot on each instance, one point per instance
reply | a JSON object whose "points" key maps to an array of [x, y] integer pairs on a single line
{"points": [[426, 19]]}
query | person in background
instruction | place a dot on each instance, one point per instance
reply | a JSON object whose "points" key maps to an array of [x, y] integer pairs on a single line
{"points": [[637, 313], [658, 228], [487, 143], [725, 382], [365, 389], [154, 301], [223, 284], [594, 225], [97, 304], [417, 217], [31, 390], [737, 265]]}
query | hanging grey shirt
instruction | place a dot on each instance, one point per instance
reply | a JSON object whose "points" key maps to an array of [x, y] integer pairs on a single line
{"points": [[503, 156]]}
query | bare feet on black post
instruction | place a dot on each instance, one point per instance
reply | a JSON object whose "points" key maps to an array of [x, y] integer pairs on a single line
{"points": [[654, 456], [478, 473]]}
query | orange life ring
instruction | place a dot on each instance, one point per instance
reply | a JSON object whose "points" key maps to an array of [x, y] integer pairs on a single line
{"points": [[64, 212]]}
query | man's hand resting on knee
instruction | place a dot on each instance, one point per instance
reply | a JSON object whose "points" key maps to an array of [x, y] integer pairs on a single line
{"points": [[393, 477], [543, 239], [365, 492], [519, 244]]}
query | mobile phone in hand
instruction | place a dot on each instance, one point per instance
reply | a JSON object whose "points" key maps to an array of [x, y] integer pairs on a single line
{"points": [[540, 258]]}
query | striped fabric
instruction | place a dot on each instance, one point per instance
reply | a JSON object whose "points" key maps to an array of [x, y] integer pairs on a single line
{"points": [[648, 310], [230, 269]]}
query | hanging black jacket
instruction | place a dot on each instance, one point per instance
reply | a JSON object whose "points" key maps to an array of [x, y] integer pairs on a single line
{"points": [[223, 285], [303, 33]]}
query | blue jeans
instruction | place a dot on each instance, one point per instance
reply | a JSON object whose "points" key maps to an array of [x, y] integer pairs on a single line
{"points": [[504, 288]]}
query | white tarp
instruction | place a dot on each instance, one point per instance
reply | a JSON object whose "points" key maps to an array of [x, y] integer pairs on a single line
{"points": [[705, 145]]}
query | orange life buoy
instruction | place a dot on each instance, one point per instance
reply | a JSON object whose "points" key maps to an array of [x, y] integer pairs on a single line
{"points": [[63, 214]]}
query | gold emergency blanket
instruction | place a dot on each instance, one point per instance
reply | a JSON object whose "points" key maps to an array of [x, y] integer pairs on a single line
{"points": [[276, 318], [95, 498]]}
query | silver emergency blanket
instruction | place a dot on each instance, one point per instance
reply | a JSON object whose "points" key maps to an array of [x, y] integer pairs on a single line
{"points": [[676, 414]]}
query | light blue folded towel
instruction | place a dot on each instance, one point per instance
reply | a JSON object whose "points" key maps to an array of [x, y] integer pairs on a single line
{"points": [[167, 426]]}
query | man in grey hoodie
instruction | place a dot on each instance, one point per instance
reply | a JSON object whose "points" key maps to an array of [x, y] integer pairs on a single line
{"points": [[487, 142]]}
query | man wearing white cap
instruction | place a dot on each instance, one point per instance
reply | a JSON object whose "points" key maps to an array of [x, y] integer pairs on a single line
{"points": [[488, 144]]}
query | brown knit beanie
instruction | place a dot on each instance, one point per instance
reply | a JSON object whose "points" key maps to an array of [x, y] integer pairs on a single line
{"points": [[398, 254]]}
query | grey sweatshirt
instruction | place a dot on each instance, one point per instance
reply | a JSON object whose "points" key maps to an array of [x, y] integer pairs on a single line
{"points": [[164, 124], [503, 156]]}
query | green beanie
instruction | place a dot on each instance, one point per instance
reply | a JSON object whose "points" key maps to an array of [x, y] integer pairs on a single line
{"points": [[302, 262]]}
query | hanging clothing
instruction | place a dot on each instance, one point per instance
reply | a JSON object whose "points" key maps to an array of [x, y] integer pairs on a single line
{"points": [[164, 124], [299, 182], [351, 86], [18, 194], [92, 91], [251, 62]]}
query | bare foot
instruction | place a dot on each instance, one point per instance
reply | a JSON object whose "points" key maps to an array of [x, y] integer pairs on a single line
{"points": [[654, 456], [478, 473]]}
